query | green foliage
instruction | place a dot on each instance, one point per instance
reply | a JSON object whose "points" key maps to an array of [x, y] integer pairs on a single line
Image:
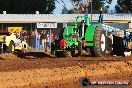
{"points": [[27, 6], [96, 6], [71, 11], [124, 6]]}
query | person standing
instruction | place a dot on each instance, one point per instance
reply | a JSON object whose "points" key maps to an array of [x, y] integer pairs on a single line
{"points": [[33, 39], [38, 40], [43, 37], [52, 37], [48, 41]]}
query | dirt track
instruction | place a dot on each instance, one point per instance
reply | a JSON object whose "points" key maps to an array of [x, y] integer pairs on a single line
{"points": [[45, 72]]}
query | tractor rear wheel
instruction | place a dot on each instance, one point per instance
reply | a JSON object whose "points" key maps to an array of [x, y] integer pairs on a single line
{"points": [[11, 47], [100, 39]]}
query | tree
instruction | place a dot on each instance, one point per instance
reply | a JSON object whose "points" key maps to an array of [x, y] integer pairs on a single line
{"points": [[65, 10], [124, 6], [96, 5], [27, 6]]}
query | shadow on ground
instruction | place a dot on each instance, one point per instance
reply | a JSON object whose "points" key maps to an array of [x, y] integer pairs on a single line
{"points": [[83, 55], [32, 55]]}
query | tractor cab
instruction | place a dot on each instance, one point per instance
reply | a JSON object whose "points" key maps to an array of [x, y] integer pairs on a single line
{"points": [[82, 23], [82, 28]]}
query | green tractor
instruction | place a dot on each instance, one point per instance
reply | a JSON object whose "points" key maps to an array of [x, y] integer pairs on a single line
{"points": [[84, 35]]}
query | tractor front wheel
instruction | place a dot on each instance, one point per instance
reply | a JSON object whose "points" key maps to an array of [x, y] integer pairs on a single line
{"points": [[67, 54], [63, 54], [58, 54], [100, 39]]}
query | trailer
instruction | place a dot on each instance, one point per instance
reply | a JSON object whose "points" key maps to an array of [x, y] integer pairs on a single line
{"points": [[120, 43]]}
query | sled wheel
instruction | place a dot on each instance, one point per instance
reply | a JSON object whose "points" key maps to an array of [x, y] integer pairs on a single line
{"points": [[109, 44], [118, 46], [100, 39]]}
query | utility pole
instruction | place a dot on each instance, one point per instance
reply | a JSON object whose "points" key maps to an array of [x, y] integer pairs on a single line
{"points": [[86, 5], [91, 9]]}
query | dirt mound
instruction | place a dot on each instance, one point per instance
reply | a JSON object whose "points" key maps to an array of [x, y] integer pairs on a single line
{"points": [[8, 56]]}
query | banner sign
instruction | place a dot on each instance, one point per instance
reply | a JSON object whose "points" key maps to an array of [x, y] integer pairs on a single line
{"points": [[46, 25], [14, 29]]}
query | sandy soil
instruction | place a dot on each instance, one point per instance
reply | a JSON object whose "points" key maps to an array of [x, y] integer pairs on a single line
{"points": [[47, 72]]}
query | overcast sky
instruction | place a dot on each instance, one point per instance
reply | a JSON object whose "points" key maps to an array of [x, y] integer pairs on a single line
{"points": [[59, 7]]}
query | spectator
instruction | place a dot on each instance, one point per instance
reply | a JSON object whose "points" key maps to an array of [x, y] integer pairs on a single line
{"points": [[43, 37], [33, 39], [52, 37], [38, 40], [18, 35], [48, 40], [36, 34]]}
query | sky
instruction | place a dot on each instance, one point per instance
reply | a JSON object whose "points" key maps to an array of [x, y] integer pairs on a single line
{"points": [[113, 4], [59, 7]]}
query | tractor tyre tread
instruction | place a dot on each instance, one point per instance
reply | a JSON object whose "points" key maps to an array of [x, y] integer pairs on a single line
{"points": [[96, 50], [9, 48]]}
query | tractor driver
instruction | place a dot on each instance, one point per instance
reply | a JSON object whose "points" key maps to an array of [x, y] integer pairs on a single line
{"points": [[81, 29]]}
